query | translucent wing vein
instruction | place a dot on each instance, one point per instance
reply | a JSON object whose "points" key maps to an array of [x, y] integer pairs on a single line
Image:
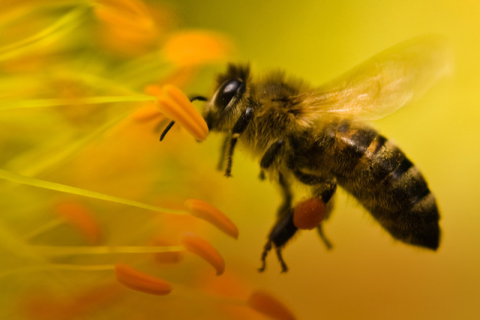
{"points": [[384, 83]]}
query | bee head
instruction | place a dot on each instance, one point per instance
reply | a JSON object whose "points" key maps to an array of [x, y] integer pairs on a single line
{"points": [[224, 108]]}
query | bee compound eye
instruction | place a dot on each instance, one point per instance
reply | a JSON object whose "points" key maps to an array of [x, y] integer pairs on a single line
{"points": [[228, 91]]}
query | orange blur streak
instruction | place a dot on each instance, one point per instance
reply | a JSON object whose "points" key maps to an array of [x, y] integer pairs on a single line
{"points": [[199, 246], [207, 212], [268, 305], [188, 48], [81, 219], [44, 307], [139, 281], [125, 13]]}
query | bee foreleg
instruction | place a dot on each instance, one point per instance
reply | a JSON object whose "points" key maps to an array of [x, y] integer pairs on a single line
{"points": [[238, 129], [222, 153]]}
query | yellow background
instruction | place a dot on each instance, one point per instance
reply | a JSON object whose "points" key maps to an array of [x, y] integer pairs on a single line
{"points": [[367, 275]]}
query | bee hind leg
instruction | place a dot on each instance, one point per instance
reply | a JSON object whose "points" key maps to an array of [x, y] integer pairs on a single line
{"points": [[324, 190], [281, 233]]}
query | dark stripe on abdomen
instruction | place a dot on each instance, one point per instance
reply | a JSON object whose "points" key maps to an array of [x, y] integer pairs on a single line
{"points": [[393, 190], [351, 143]]}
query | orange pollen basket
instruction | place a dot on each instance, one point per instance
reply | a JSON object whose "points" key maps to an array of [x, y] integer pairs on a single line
{"points": [[309, 213]]}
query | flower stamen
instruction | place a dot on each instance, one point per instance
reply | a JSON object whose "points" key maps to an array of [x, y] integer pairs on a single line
{"points": [[139, 281], [173, 103], [270, 306], [102, 250], [207, 212], [80, 218], [199, 246]]}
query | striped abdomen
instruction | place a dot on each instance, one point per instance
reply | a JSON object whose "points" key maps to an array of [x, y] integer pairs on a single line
{"points": [[385, 182]]}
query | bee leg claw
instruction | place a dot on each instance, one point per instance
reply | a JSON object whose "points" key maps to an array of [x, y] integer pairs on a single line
{"points": [[278, 250], [282, 262], [266, 249], [325, 240]]}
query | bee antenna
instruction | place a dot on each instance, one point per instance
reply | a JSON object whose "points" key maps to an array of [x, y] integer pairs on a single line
{"points": [[201, 98], [164, 133], [170, 125]]}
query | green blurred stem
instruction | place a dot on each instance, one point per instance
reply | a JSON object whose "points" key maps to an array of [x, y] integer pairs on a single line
{"points": [[14, 177], [60, 28], [41, 103], [89, 250]]}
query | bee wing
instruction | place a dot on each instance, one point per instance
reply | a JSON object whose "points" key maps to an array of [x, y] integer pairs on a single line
{"points": [[384, 83]]}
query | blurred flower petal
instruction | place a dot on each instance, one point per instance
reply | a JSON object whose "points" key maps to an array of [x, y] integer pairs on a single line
{"points": [[203, 249], [268, 305], [211, 214], [196, 47], [125, 14], [139, 281]]}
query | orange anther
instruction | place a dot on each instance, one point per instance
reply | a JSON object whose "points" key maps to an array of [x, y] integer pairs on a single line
{"points": [[80, 218], [139, 281], [268, 305], [211, 214], [309, 213], [146, 113], [203, 249], [173, 103]]}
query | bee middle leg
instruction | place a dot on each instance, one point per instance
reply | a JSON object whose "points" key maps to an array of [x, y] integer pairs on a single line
{"points": [[272, 153]]}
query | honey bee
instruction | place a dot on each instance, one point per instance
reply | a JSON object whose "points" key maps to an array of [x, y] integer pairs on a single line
{"points": [[318, 137]]}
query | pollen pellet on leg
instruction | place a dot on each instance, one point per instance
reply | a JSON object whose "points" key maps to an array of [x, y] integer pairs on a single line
{"points": [[176, 106], [309, 213], [139, 281], [207, 212], [268, 305], [80, 218], [199, 246]]}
